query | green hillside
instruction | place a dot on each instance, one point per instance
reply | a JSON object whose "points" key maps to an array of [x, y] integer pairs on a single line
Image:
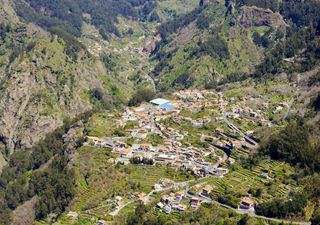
{"points": [[216, 45], [244, 79]]}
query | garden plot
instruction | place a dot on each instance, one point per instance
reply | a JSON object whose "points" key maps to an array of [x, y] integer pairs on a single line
{"points": [[239, 181]]}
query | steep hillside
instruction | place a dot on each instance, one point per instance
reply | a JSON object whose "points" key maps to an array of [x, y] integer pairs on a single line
{"points": [[213, 43], [67, 68], [45, 79]]}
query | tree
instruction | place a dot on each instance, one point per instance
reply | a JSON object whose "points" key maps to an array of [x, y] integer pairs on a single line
{"points": [[243, 220], [140, 96], [293, 144], [316, 102]]}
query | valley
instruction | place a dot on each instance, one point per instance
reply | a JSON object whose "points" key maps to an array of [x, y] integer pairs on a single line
{"points": [[182, 143], [159, 112]]}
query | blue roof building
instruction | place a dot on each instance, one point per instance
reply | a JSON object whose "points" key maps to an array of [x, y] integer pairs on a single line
{"points": [[167, 106]]}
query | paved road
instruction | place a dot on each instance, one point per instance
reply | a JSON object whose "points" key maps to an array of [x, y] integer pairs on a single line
{"points": [[238, 130], [293, 98], [247, 212]]}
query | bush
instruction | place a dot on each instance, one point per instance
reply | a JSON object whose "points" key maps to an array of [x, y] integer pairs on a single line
{"points": [[316, 103], [293, 145], [216, 47], [142, 95], [280, 208]]}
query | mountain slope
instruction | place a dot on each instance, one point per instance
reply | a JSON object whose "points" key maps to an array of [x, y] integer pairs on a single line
{"points": [[45, 79], [215, 44]]}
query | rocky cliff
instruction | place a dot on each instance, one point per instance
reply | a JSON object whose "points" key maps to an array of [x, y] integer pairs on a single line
{"points": [[44, 79], [254, 16]]}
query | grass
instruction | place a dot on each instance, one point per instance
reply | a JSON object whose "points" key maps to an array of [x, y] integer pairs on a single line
{"points": [[98, 180], [101, 125], [154, 139], [170, 8], [240, 180]]}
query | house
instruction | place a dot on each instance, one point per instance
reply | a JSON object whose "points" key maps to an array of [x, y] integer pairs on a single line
{"points": [[166, 199], [167, 209], [141, 196], [120, 144], [178, 196], [118, 198], [157, 187], [164, 157], [264, 175], [108, 143], [196, 188], [195, 202], [126, 153], [207, 190], [101, 222], [95, 140], [246, 203], [145, 147], [73, 215], [181, 207], [160, 205]]}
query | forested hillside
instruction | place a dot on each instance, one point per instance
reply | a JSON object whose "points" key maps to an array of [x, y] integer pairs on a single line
{"points": [[69, 68], [234, 40], [68, 16]]}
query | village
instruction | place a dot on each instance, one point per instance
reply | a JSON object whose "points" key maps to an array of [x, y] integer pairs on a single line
{"points": [[176, 132]]}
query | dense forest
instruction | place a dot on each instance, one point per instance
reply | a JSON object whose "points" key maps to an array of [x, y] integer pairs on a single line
{"points": [[43, 170], [27, 175], [70, 15], [294, 145], [301, 41]]}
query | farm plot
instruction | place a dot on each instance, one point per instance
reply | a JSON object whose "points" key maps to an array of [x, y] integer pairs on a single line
{"points": [[269, 176]]}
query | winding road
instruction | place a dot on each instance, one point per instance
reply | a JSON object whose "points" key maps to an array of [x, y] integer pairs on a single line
{"points": [[237, 130]]}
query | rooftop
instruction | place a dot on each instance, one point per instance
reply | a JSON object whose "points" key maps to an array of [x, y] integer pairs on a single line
{"points": [[159, 101], [167, 106]]}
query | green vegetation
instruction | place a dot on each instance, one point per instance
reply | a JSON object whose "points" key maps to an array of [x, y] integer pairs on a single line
{"points": [[206, 214], [280, 208], [99, 181], [141, 95], [293, 144], [204, 53], [154, 139], [303, 33], [24, 178], [69, 16]]}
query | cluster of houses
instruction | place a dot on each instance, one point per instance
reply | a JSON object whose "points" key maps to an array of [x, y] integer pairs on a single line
{"points": [[152, 119], [193, 197], [180, 200], [173, 150]]}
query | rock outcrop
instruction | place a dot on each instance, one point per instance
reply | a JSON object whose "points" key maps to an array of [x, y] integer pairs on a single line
{"points": [[253, 16], [42, 84]]}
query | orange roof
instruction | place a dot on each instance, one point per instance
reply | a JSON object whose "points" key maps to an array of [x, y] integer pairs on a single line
{"points": [[179, 193], [196, 187], [95, 139], [208, 188], [141, 195], [146, 145], [249, 201], [126, 151]]}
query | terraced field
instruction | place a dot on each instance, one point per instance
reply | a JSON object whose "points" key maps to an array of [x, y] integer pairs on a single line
{"points": [[240, 180], [99, 181]]}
